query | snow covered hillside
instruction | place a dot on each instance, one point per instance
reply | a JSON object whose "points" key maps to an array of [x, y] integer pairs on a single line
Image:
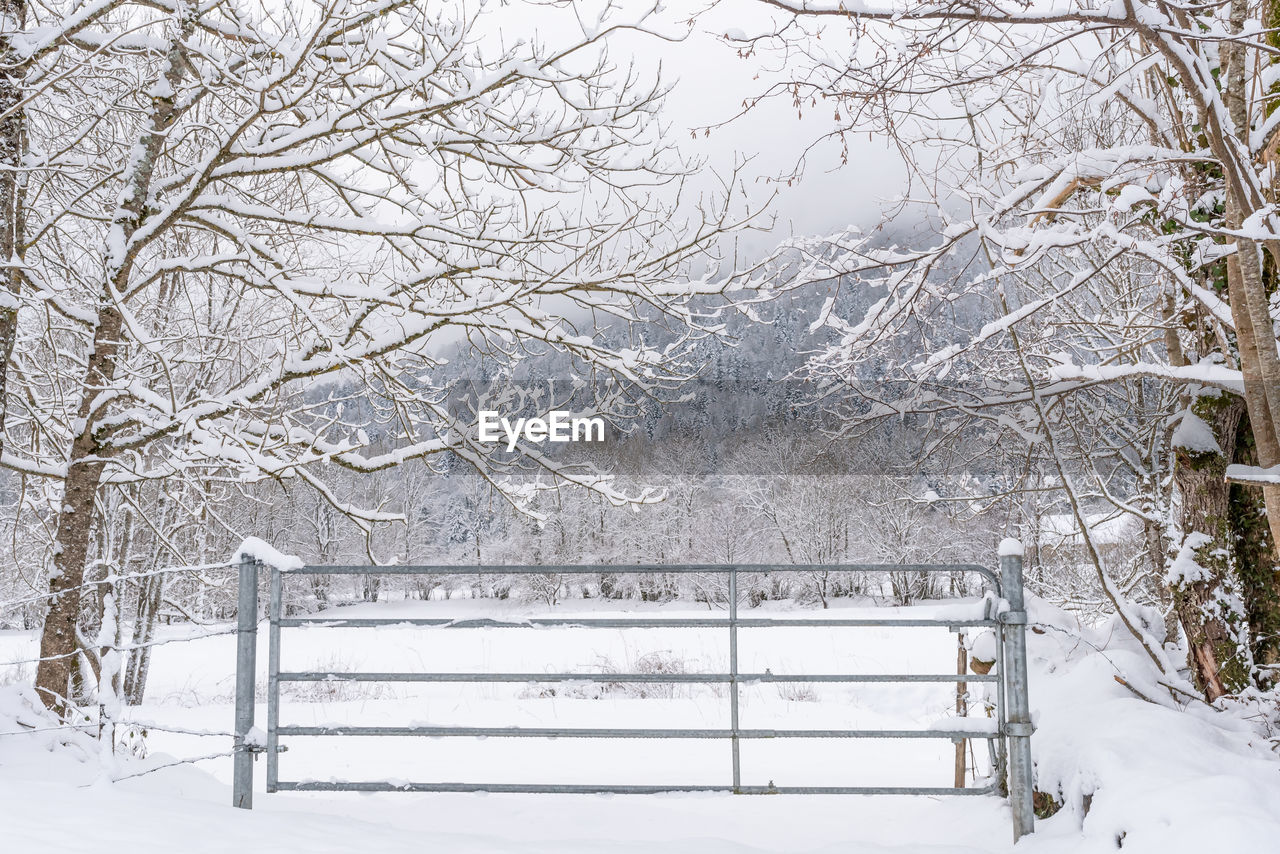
{"points": [[1102, 752]]}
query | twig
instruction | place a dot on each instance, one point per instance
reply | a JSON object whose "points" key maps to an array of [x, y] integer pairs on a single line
{"points": [[186, 761]]}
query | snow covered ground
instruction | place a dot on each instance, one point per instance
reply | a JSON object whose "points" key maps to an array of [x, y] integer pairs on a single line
{"points": [[1153, 777]]}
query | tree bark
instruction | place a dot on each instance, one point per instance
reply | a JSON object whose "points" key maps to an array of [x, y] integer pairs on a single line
{"points": [[1247, 291], [1256, 564], [1220, 662], [150, 595], [58, 641], [12, 219]]}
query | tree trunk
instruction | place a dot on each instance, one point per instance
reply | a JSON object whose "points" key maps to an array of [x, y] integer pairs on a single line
{"points": [[1219, 660], [150, 595], [12, 146], [147, 610], [1247, 287], [1256, 565], [58, 641]]}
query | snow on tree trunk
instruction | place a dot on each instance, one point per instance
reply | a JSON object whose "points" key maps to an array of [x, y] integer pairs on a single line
{"points": [[13, 14], [109, 674], [1203, 577], [147, 615], [1257, 566], [58, 640]]}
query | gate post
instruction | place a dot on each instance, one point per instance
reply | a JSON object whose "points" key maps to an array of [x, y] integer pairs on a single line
{"points": [[273, 680], [246, 654], [733, 680], [1018, 726]]}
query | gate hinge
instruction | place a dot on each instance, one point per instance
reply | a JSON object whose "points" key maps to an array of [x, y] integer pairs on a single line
{"points": [[1018, 729], [1013, 618]]}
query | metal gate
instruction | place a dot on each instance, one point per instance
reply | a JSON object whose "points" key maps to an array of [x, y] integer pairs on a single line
{"points": [[1009, 743]]}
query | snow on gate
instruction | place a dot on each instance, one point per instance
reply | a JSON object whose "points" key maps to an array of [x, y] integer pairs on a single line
{"points": [[1006, 732]]}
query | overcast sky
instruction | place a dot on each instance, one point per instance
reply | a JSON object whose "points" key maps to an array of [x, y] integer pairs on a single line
{"points": [[709, 83]]}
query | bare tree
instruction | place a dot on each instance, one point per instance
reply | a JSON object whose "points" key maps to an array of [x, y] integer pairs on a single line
{"points": [[270, 198], [1083, 148]]}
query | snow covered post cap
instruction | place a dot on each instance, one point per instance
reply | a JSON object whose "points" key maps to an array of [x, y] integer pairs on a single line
{"points": [[1009, 547], [254, 549]]}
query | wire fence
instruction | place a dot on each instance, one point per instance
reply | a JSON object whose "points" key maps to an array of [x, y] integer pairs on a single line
{"points": [[86, 714]]}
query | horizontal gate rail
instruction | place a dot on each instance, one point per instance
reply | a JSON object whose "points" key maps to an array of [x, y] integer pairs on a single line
{"points": [[612, 732], [572, 789], [647, 569], [658, 678], [610, 623], [1004, 619]]}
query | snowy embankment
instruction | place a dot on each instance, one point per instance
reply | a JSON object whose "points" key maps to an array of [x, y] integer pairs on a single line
{"points": [[1131, 774]]}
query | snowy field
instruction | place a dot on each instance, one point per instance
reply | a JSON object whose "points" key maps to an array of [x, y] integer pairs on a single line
{"points": [[1095, 744]]}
